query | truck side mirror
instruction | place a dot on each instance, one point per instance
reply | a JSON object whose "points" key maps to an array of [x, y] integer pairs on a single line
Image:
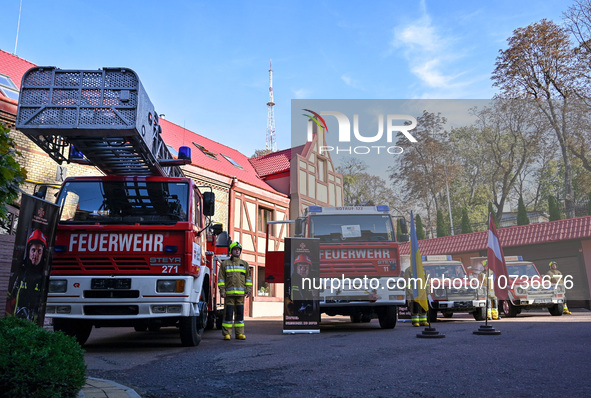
{"points": [[299, 227], [223, 239], [217, 229], [403, 227], [42, 192], [208, 204], [403, 238]]}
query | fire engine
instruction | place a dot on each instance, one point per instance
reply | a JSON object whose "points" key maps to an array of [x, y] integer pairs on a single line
{"points": [[357, 245], [130, 246], [528, 290], [451, 290]]}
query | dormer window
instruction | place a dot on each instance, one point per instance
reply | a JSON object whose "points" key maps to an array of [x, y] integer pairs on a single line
{"points": [[8, 88]]}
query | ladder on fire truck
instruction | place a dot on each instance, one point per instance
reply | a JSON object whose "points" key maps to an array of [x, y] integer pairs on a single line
{"points": [[99, 117]]}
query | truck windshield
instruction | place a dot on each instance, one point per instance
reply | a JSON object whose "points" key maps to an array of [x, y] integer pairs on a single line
{"points": [[124, 202], [444, 270], [522, 270], [352, 228]]}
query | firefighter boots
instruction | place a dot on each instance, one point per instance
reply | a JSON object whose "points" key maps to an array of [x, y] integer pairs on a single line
{"points": [[240, 337], [565, 310], [227, 337]]}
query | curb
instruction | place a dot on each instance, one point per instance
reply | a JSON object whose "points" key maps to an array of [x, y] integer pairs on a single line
{"points": [[95, 387]]}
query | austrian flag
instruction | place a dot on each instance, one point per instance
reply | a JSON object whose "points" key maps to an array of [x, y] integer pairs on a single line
{"points": [[495, 260]]}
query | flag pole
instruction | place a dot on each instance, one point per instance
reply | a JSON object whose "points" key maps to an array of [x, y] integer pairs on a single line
{"points": [[486, 329]]}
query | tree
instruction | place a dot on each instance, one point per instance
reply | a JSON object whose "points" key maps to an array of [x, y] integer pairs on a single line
{"points": [[421, 230], [466, 226], [12, 175], [492, 211], [522, 218], [553, 208], [540, 65], [589, 205], [424, 166], [261, 152], [441, 227]]}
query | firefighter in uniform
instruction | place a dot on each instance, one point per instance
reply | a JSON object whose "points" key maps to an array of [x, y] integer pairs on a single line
{"points": [[418, 313], [234, 282], [556, 276], [493, 304]]}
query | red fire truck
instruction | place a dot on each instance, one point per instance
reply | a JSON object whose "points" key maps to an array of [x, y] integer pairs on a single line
{"points": [[130, 247], [360, 255]]}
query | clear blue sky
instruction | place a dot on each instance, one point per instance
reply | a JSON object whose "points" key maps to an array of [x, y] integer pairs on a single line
{"points": [[205, 63]]}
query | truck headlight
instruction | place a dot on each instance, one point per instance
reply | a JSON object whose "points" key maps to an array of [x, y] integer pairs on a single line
{"points": [[559, 289], [58, 285], [439, 293], [520, 291], [170, 286]]}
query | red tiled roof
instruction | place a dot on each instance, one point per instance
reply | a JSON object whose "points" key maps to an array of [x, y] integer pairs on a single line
{"points": [[177, 136], [14, 67], [275, 162], [546, 232]]}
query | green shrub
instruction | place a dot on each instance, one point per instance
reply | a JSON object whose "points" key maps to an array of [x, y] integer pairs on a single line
{"points": [[37, 363]]}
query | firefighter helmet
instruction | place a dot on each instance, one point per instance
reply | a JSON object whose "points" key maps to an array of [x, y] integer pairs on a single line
{"points": [[484, 263], [37, 237], [235, 245], [302, 258], [553, 263]]}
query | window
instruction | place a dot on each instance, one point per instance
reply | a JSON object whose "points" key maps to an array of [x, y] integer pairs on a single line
{"points": [[8, 88], [264, 216], [322, 169], [229, 159], [264, 289], [205, 151]]}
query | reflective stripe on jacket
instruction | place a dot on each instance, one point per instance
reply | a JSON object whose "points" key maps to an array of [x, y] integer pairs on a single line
{"points": [[234, 277]]}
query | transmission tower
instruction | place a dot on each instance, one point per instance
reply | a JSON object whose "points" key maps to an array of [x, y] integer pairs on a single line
{"points": [[271, 143]]}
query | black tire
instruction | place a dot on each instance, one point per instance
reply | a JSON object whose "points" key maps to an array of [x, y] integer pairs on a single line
{"points": [[191, 327], [448, 314], [140, 328], [219, 319], [479, 314], [388, 316], [556, 309], [432, 315], [356, 317], [154, 327], [365, 318], [210, 321], [509, 310], [77, 328]]}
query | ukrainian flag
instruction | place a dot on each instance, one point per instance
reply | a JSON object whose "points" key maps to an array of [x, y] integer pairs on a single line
{"points": [[419, 295]]}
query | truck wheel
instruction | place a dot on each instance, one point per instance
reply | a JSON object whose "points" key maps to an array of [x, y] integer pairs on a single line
{"points": [[191, 327], [365, 318], [479, 314], [219, 319], [509, 310], [387, 316], [432, 315], [140, 328], [77, 328], [555, 310], [448, 314], [210, 321], [356, 317]]}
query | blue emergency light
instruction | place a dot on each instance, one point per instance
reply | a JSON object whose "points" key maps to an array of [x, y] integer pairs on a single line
{"points": [[315, 209], [185, 152], [383, 208], [75, 154]]}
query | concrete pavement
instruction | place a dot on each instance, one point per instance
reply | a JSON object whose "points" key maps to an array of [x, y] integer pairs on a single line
{"points": [[100, 388]]}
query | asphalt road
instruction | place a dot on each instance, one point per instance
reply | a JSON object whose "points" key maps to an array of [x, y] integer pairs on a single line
{"points": [[536, 355]]}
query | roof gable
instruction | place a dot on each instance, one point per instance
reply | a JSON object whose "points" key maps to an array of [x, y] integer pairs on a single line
{"points": [[212, 155], [275, 162]]}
